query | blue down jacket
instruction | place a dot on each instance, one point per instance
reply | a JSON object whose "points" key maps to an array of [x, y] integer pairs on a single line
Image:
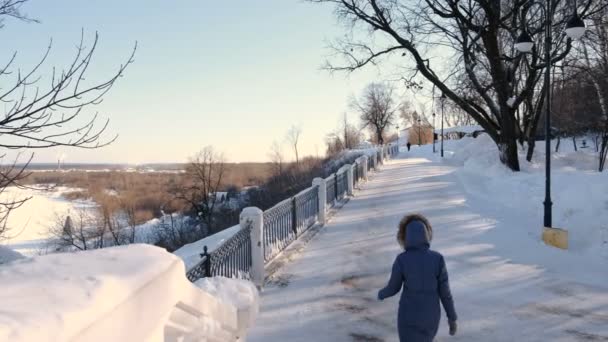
{"points": [[424, 278]]}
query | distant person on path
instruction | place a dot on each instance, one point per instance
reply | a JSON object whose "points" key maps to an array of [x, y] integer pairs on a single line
{"points": [[423, 275], [408, 145]]}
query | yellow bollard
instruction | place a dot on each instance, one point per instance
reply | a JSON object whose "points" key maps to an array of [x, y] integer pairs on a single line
{"points": [[556, 237]]}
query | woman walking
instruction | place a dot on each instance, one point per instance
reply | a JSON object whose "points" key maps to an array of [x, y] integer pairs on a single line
{"points": [[423, 276]]}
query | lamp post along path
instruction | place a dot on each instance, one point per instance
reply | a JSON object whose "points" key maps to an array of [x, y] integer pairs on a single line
{"points": [[575, 29], [442, 108]]}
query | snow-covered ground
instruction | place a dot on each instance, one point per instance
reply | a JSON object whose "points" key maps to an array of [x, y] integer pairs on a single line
{"points": [[29, 224], [126, 293], [578, 191], [507, 285]]}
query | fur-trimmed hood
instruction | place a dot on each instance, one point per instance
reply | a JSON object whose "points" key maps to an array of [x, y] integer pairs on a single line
{"points": [[417, 219]]}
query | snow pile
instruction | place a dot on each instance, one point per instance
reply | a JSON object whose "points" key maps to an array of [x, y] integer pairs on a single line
{"points": [[8, 255], [578, 192], [241, 294], [74, 290], [126, 293]]}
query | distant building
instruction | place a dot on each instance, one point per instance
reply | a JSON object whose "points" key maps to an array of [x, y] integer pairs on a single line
{"points": [[411, 134]]}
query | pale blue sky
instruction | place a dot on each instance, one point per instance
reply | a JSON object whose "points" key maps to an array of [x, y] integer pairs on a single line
{"points": [[233, 74]]}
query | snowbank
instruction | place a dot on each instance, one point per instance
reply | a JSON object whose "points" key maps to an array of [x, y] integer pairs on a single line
{"points": [[127, 293], [8, 255], [74, 290], [578, 191]]}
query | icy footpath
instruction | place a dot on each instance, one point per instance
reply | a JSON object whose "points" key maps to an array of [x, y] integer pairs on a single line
{"points": [[129, 293], [507, 285]]}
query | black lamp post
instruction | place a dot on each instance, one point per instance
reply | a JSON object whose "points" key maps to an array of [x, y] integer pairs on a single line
{"points": [[434, 135], [575, 28], [442, 107]]}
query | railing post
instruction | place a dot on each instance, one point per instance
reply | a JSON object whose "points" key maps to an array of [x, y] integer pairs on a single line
{"points": [[294, 215], [336, 187], [376, 161], [320, 182], [349, 179], [255, 217], [207, 257], [365, 160]]}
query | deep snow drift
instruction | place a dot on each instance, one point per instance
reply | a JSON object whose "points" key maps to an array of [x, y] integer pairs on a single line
{"points": [[579, 192]]}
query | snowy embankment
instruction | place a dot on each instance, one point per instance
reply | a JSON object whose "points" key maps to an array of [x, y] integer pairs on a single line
{"points": [[515, 201], [578, 190], [127, 293]]}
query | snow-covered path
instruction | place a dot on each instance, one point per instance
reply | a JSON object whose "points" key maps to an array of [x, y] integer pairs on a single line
{"points": [[327, 293]]}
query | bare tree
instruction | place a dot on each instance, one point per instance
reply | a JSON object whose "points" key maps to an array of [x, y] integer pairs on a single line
{"points": [[595, 63], [204, 176], [76, 231], [38, 115], [475, 37], [276, 158], [293, 139], [407, 114], [377, 109], [111, 223]]}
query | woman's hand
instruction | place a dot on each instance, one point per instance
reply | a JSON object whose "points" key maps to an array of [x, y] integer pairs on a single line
{"points": [[453, 327]]}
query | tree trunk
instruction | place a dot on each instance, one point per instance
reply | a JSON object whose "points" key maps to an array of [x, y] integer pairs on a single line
{"points": [[574, 143], [557, 145], [531, 145], [597, 146], [507, 144], [603, 152], [508, 151]]}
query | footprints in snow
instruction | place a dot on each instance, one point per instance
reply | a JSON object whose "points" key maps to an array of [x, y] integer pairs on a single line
{"points": [[358, 305]]}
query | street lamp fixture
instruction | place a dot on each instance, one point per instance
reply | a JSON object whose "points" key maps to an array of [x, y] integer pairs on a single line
{"points": [[524, 42], [442, 107], [575, 29]]}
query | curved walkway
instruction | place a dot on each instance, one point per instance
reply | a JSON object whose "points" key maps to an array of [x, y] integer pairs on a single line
{"points": [[327, 293]]}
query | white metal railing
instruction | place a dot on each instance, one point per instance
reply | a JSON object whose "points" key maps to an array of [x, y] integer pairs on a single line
{"points": [[266, 246]]}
